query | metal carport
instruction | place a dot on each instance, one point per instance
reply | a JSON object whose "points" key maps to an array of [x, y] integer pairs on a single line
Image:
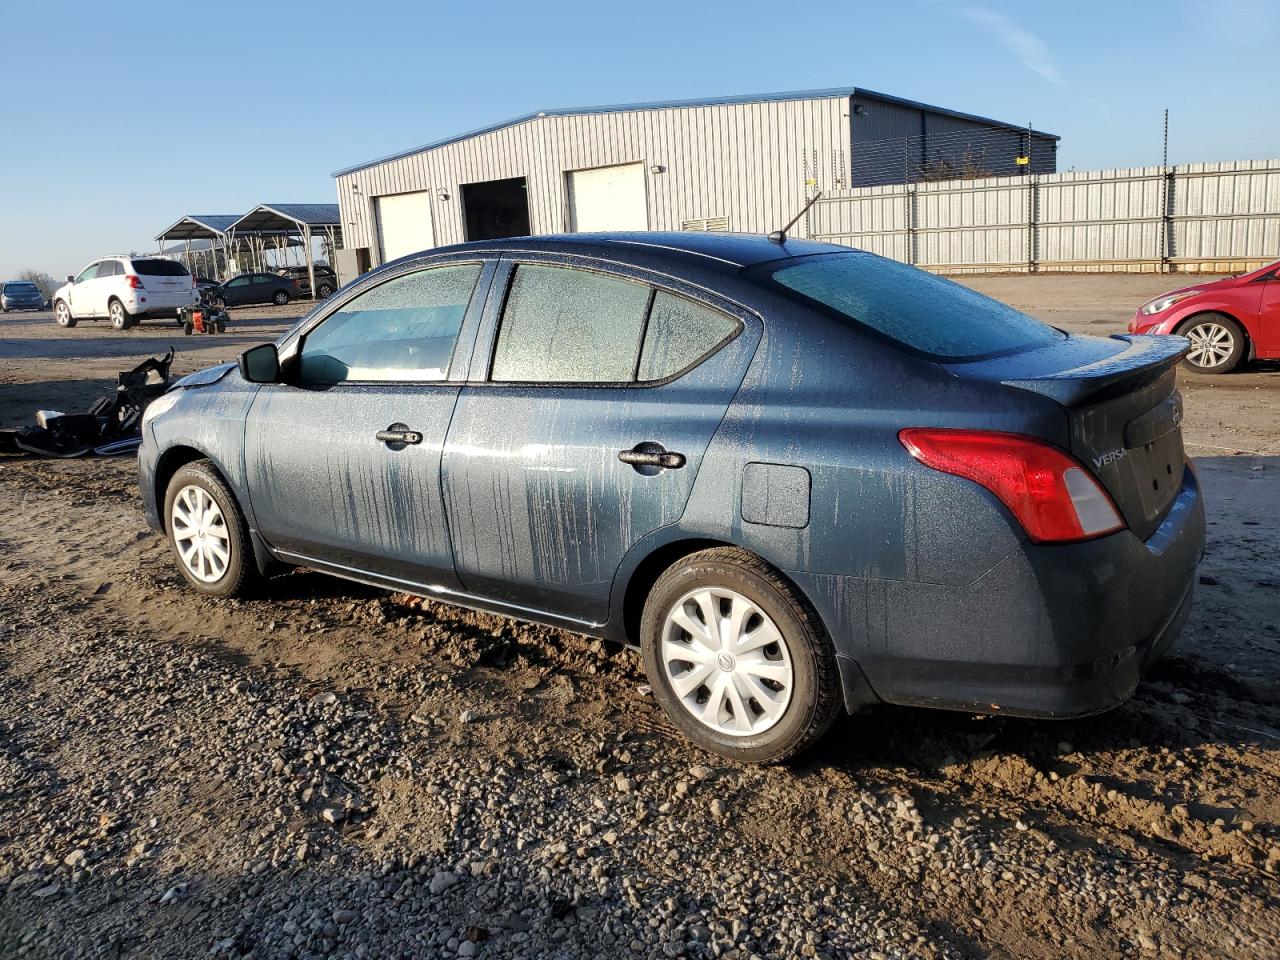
{"points": [[213, 227], [285, 221]]}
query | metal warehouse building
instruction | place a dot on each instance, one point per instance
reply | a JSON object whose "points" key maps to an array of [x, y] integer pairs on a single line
{"points": [[733, 163]]}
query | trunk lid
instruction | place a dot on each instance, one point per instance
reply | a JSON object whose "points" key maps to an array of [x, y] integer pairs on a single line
{"points": [[1123, 410]]}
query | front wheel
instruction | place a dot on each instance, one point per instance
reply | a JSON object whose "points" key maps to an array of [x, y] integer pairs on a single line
{"points": [[118, 315], [280, 298], [324, 290], [207, 531], [1217, 343], [62, 315], [737, 659]]}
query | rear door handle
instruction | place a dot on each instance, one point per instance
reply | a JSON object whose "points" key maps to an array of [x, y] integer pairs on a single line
{"points": [[398, 435], [651, 454]]}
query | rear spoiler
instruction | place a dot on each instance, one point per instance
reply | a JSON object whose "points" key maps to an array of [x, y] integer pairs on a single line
{"points": [[1084, 369]]}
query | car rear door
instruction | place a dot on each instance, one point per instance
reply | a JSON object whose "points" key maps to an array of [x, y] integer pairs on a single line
{"points": [[593, 397], [109, 279], [343, 459]]}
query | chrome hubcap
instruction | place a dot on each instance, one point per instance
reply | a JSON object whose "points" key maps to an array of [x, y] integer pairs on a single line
{"points": [[200, 533], [727, 662], [1211, 344]]}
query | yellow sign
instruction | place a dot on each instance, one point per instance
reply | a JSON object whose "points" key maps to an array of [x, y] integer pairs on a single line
{"points": [[1023, 161]]}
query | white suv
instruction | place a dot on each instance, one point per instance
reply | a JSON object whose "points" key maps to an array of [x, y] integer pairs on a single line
{"points": [[124, 290]]}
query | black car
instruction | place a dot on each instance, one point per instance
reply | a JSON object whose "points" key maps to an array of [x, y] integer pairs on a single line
{"points": [[326, 280], [256, 288]]}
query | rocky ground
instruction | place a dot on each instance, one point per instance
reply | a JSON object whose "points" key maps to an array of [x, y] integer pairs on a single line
{"points": [[325, 770]]}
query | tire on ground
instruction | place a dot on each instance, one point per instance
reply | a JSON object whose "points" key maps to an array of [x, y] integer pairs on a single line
{"points": [[241, 573], [816, 695], [1233, 356]]}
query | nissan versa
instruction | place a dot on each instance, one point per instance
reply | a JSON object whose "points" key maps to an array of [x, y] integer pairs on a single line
{"points": [[798, 477]]}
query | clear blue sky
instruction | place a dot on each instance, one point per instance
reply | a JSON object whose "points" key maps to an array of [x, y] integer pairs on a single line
{"points": [[119, 119]]}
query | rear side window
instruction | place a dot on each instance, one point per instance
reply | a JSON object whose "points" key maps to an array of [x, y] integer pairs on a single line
{"points": [[159, 268], [918, 310], [401, 330], [110, 268], [563, 325], [680, 333]]}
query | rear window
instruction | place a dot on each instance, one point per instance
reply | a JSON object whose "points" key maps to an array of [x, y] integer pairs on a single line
{"points": [[21, 288], [159, 268], [925, 313]]}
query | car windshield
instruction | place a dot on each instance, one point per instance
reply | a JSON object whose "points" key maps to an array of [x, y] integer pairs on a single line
{"points": [[918, 310], [159, 268], [21, 288]]}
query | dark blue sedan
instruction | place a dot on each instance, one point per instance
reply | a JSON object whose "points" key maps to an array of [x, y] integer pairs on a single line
{"points": [[798, 477]]}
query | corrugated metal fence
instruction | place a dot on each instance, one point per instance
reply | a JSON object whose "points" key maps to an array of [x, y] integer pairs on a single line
{"points": [[1197, 217]]}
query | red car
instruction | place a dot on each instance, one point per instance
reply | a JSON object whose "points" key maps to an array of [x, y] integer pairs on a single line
{"points": [[1227, 320]]}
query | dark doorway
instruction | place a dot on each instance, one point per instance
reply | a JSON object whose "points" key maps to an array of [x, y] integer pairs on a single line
{"points": [[496, 209]]}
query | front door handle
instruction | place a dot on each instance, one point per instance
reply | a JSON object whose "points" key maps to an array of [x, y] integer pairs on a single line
{"points": [[398, 436], [649, 454]]}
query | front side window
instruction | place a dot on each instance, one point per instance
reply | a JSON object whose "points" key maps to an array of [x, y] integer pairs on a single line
{"points": [[88, 273], [680, 332], [238, 282], [918, 310], [401, 330], [562, 325]]}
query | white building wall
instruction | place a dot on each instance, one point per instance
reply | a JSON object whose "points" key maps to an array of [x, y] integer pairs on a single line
{"points": [[753, 163]]}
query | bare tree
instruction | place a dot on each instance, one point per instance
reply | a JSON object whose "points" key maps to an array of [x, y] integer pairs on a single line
{"points": [[41, 279]]}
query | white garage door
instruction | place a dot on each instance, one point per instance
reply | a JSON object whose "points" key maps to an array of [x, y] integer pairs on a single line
{"points": [[404, 224], [608, 198]]}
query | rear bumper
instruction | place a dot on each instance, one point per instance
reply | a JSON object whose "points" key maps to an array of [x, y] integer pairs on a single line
{"points": [[150, 304], [1051, 631]]}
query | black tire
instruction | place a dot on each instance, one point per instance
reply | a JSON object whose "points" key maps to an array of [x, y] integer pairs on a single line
{"points": [[1215, 338], [118, 315], [280, 298], [240, 572], [187, 328], [324, 290], [815, 697], [221, 326], [62, 314]]}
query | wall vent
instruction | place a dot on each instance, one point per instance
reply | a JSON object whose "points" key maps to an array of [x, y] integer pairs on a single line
{"points": [[707, 225]]}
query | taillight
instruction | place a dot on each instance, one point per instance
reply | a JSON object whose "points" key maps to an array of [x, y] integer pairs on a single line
{"points": [[133, 281], [1054, 498]]}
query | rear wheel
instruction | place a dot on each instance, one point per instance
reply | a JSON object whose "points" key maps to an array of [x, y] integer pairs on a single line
{"points": [[280, 298], [737, 659], [62, 315], [119, 316], [207, 531], [324, 290], [1217, 343]]}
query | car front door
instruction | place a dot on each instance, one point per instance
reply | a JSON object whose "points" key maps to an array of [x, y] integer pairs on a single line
{"points": [[586, 429], [236, 291], [1268, 344], [343, 459], [81, 292]]}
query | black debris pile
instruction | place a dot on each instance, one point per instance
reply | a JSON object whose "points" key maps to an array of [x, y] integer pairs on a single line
{"points": [[111, 426]]}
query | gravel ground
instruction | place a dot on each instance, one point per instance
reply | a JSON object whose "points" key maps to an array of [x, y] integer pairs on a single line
{"points": [[326, 770]]}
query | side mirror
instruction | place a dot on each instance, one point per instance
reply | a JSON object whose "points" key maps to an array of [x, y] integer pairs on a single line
{"points": [[260, 364], [70, 279]]}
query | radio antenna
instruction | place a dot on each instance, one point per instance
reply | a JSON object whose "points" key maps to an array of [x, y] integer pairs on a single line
{"points": [[780, 236]]}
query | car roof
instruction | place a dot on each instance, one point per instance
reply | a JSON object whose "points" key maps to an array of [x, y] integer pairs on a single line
{"points": [[728, 250]]}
